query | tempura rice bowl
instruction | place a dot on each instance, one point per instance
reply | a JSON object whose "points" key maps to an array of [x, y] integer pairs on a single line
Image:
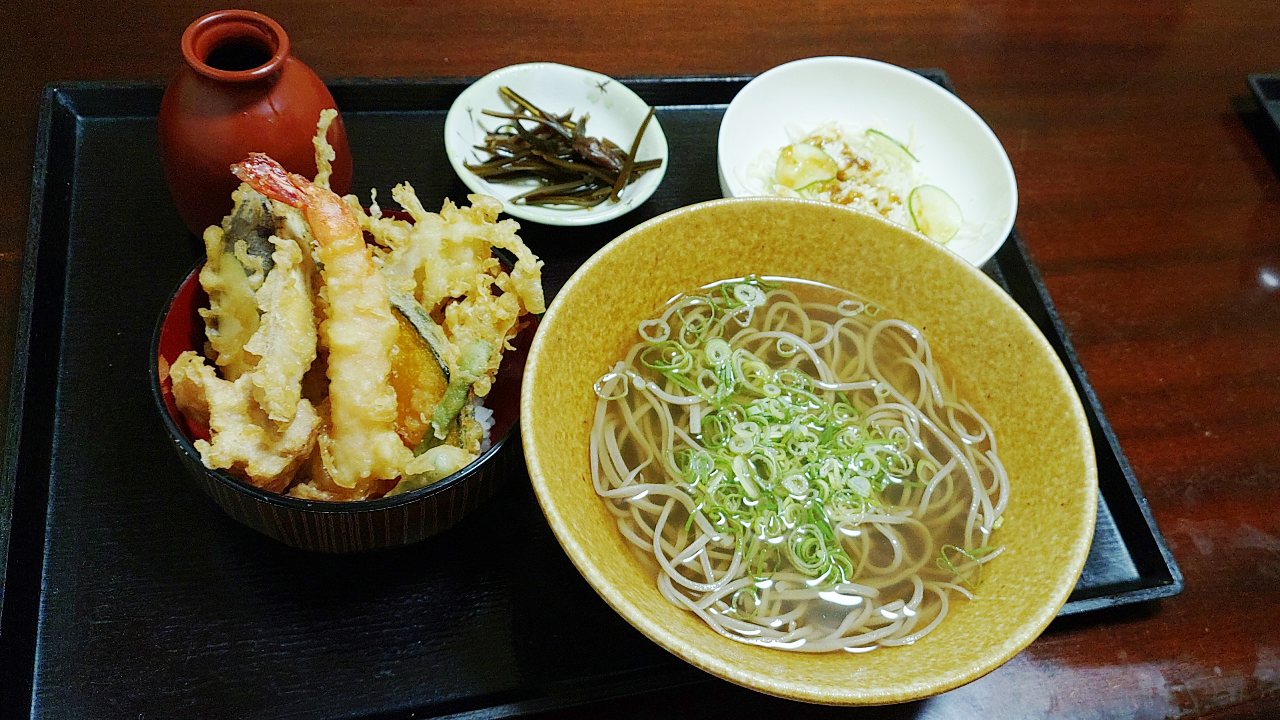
{"points": [[334, 527]]}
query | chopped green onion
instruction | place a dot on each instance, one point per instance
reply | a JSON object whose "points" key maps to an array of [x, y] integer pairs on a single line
{"points": [[782, 462], [971, 572]]}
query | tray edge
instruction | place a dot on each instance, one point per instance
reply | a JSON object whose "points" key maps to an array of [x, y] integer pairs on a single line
{"points": [[1176, 582], [12, 611]]}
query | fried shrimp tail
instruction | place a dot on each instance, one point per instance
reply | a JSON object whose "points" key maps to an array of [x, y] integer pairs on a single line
{"points": [[359, 331], [271, 179]]}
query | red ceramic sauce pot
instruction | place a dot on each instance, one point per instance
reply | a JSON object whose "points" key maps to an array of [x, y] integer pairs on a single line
{"points": [[240, 91]]}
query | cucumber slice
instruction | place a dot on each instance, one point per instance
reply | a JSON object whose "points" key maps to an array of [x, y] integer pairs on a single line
{"points": [[801, 165], [890, 154], [934, 213], [890, 151]]}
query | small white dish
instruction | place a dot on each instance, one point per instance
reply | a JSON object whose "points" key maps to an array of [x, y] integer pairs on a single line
{"points": [[615, 113], [956, 149]]}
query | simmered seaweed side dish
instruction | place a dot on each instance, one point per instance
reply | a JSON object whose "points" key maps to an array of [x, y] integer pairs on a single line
{"points": [[796, 467], [572, 168], [349, 352]]}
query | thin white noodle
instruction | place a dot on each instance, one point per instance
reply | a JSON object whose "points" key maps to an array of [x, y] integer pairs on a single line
{"points": [[947, 485]]}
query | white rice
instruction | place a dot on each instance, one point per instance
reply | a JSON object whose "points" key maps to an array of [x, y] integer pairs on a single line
{"points": [[484, 416]]}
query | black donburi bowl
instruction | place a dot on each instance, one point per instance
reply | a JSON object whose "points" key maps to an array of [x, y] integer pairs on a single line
{"points": [[334, 527]]}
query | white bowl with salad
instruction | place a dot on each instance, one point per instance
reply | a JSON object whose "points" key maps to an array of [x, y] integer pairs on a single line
{"points": [[876, 138]]}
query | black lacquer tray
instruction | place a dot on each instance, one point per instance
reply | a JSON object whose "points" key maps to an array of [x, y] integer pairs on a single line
{"points": [[128, 594], [1266, 88]]}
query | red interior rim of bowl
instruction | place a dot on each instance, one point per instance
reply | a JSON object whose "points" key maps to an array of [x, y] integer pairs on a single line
{"points": [[181, 328]]}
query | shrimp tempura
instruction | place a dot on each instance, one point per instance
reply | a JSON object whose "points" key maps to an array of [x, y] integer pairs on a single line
{"points": [[359, 331]]}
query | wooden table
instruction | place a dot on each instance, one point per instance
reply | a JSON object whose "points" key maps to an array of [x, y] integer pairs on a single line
{"points": [[1150, 199]]}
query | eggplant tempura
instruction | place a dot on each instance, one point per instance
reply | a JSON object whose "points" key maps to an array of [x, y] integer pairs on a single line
{"points": [[343, 370]]}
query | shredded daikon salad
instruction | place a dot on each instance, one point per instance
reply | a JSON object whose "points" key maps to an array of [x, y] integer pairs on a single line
{"points": [[866, 170]]}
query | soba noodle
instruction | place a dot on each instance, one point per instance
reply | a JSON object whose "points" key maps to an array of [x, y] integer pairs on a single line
{"points": [[794, 464]]}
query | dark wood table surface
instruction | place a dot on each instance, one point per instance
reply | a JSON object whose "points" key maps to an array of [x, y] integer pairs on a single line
{"points": [[1150, 199]]}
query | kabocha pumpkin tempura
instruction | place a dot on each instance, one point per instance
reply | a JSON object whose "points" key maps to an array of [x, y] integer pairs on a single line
{"points": [[343, 370]]}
